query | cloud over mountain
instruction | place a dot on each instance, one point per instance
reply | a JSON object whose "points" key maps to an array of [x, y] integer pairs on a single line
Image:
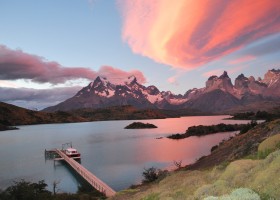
{"points": [[189, 33], [16, 64], [36, 98]]}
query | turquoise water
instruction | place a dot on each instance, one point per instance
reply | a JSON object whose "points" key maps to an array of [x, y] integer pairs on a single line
{"points": [[114, 154]]}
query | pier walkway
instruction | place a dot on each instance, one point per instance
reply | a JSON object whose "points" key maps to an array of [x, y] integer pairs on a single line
{"points": [[87, 175]]}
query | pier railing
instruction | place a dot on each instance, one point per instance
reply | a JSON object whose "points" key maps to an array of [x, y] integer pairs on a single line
{"points": [[87, 175]]}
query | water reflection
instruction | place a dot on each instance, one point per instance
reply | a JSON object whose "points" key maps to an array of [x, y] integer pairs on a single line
{"points": [[114, 154]]}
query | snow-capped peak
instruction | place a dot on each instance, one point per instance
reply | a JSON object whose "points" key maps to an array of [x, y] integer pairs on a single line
{"points": [[130, 80], [102, 80]]}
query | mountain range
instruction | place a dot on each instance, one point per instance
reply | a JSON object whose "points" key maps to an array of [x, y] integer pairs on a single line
{"points": [[218, 95]]}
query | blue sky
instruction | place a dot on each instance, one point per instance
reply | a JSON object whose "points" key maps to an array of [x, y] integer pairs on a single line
{"points": [[91, 34]]}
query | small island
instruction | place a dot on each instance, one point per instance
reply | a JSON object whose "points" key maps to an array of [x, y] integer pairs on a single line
{"points": [[219, 128], [140, 125]]}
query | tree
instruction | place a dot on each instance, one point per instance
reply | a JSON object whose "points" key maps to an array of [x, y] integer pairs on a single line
{"points": [[55, 184], [178, 164], [153, 174], [150, 174], [24, 190]]}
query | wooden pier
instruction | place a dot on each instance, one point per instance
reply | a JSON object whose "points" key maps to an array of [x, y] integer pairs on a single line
{"points": [[87, 175]]}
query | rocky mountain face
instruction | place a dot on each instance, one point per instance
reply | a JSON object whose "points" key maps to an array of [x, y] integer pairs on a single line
{"points": [[272, 80], [218, 95]]}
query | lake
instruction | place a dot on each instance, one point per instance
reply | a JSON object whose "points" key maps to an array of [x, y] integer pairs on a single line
{"points": [[114, 154]]}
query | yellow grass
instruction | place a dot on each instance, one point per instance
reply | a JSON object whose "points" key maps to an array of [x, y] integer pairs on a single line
{"points": [[269, 143], [261, 176]]}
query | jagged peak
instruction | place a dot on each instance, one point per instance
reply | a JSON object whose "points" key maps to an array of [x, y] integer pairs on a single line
{"points": [[241, 76], [100, 79], [252, 79], [224, 75], [167, 93], [212, 77], [130, 80], [153, 90], [152, 87], [276, 71]]}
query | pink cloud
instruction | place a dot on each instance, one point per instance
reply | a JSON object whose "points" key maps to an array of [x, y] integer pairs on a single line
{"points": [[172, 80], [242, 60], [213, 72], [189, 33], [116, 75], [16, 64]]}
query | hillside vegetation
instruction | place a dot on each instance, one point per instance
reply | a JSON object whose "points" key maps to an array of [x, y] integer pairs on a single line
{"points": [[11, 115], [232, 170], [202, 130], [259, 115], [140, 125]]}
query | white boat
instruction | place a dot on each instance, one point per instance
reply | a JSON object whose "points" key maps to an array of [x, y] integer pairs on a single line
{"points": [[73, 153], [70, 151]]}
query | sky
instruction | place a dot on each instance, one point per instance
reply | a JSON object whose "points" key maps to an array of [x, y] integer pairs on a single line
{"points": [[50, 49]]}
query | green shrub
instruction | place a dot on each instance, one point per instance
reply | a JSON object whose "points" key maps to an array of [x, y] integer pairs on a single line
{"points": [[264, 154], [152, 174], [248, 127], [25, 190]]}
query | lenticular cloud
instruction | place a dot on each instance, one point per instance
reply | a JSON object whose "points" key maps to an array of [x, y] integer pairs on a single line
{"points": [[189, 33], [16, 64]]}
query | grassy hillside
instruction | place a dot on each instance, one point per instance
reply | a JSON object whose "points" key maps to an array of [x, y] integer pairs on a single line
{"points": [[234, 164], [257, 175]]}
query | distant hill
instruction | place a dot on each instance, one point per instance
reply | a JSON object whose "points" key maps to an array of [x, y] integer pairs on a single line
{"points": [[118, 113], [218, 96], [11, 115]]}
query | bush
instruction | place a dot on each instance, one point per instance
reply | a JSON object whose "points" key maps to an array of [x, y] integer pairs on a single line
{"points": [[270, 143], [214, 148], [248, 126], [153, 174], [236, 168], [268, 146], [265, 177], [25, 190]]}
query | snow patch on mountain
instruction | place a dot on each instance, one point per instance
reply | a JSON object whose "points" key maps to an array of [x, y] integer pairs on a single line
{"points": [[177, 101], [218, 90], [152, 98]]}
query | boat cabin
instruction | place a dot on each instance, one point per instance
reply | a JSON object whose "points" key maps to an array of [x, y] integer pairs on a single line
{"points": [[71, 152]]}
